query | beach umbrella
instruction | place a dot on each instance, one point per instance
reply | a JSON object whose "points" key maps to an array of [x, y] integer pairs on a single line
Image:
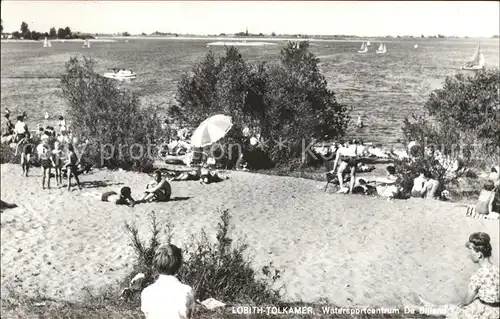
{"points": [[211, 130]]}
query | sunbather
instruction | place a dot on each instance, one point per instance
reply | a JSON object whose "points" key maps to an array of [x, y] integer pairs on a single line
{"points": [[159, 191], [193, 175], [207, 176], [485, 206], [124, 198]]}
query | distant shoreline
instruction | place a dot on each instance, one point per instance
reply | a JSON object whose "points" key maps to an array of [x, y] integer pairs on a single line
{"points": [[277, 39], [111, 39], [58, 40]]}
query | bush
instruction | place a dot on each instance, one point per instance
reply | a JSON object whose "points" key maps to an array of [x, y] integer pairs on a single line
{"points": [[121, 134], [287, 101], [219, 270], [462, 119]]}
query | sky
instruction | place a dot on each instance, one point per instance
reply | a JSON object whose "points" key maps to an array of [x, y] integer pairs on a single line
{"points": [[361, 18]]}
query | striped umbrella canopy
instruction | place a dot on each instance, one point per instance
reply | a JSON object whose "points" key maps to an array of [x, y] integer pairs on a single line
{"points": [[211, 130]]}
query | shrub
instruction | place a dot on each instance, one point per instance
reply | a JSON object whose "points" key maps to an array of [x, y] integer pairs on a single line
{"points": [[121, 134], [462, 119], [219, 270], [288, 100]]}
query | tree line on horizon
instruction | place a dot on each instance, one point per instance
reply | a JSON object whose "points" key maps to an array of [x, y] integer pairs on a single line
{"points": [[66, 33], [61, 33]]}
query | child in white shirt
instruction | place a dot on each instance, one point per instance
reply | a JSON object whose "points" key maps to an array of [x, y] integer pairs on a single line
{"points": [[167, 297]]}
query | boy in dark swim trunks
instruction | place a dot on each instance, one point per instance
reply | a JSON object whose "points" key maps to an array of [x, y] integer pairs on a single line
{"points": [[159, 191], [72, 166], [45, 157]]}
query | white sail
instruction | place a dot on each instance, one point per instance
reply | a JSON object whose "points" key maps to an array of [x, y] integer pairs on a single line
{"points": [[364, 48], [476, 61], [368, 43], [46, 43], [481, 61], [86, 44], [382, 48]]}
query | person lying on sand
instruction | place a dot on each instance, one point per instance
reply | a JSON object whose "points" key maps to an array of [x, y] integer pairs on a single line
{"points": [[483, 295], [207, 176], [158, 191], [193, 175], [124, 198], [485, 206]]}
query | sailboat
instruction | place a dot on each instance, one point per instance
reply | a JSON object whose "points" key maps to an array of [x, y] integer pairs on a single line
{"points": [[368, 43], [364, 48], [46, 43], [381, 48], [476, 62], [86, 44]]}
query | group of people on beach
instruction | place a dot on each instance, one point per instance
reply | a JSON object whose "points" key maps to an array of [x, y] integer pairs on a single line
{"points": [[159, 190], [349, 160], [54, 150]]}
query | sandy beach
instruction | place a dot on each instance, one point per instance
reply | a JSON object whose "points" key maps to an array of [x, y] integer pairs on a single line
{"points": [[352, 250]]}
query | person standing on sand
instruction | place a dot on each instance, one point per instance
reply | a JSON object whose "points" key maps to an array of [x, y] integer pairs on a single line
{"points": [[45, 157], [346, 161], [167, 297], [8, 127], [57, 161], [483, 296], [72, 166]]}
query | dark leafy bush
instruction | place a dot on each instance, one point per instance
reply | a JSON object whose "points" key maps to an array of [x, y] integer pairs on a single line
{"points": [[283, 102], [121, 133], [461, 119], [219, 270]]}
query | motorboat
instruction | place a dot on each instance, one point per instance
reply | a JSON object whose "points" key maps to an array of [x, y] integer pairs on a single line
{"points": [[120, 74]]}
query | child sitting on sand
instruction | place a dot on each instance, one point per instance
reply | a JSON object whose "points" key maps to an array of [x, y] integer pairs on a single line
{"points": [[158, 191], [483, 296], [124, 198], [167, 297], [485, 206]]}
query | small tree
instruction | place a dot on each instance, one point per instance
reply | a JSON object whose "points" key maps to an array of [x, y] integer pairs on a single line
{"points": [[284, 102], [67, 32], [120, 132], [25, 31], [61, 34], [462, 118], [52, 32]]}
